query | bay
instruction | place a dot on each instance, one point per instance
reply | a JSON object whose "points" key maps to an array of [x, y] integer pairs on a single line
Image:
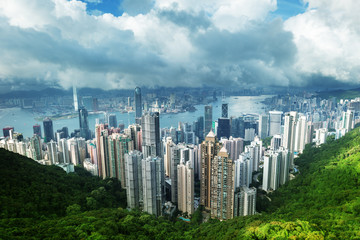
{"points": [[23, 119]]}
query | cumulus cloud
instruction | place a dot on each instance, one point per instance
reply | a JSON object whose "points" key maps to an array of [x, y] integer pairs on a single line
{"points": [[175, 43], [327, 37]]}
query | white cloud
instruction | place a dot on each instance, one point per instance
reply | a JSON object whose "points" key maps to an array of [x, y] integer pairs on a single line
{"points": [[327, 37], [175, 43]]}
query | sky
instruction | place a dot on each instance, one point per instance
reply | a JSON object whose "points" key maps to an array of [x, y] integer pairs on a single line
{"points": [[121, 44]]}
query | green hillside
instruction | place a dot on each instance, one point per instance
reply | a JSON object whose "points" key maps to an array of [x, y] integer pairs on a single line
{"points": [[322, 202], [28, 189], [340, 94]]}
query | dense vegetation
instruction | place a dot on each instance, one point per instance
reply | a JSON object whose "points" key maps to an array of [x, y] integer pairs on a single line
{"points": [[322, 202], [28, 189], [340, 94]]}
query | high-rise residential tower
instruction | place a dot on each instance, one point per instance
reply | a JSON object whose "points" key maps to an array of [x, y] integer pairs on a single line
{"points": [[153, 184], [222, 186], [209, 149], [150, 126], [134, 179], [185, 186]]}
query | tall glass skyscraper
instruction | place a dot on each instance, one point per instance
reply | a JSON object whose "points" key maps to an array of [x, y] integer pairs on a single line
{"points": [[208, 119], [48, 130], [112, 120], [84, 123], [138, 107]]}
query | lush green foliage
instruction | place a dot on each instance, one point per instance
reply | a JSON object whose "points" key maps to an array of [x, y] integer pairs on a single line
{"points": [[322, 202], [340, 94], [28, 189]]}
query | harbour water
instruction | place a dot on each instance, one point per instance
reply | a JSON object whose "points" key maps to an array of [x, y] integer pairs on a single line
{"points": [[23, 120]]}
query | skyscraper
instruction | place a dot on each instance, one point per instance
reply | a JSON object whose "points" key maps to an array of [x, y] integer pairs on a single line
{"points": [[234, 146], [290, 125], [48, 130], [263, 126], [6, 131], [134, 180], [224, 110], [88, 103], [209, 149], [52, 150], [175, 151], [222, 186], [245, 202], [275, 123], [37, 129], [151, 134], [208, 119], [185, 187], [112, 120], [35, 146], [138, 107], [224, 128], [84, 123], [199, 128], [153, 183]]}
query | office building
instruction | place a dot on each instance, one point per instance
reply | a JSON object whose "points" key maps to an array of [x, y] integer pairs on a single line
{"points": [[87, 102], [37, 129], [223, 129], [208, 119], [48, 130], [84, 123], [275, 122], [138, 105], [263, 126], [224, 110], [112, 121], [6, 131]]}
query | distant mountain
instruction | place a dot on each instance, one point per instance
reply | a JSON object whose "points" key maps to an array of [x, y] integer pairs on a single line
{"points": [[340, 93], [322, 202]]}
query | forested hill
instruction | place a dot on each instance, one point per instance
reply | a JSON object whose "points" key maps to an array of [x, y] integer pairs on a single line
{"points": [[28, 189], [322, 202]]}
